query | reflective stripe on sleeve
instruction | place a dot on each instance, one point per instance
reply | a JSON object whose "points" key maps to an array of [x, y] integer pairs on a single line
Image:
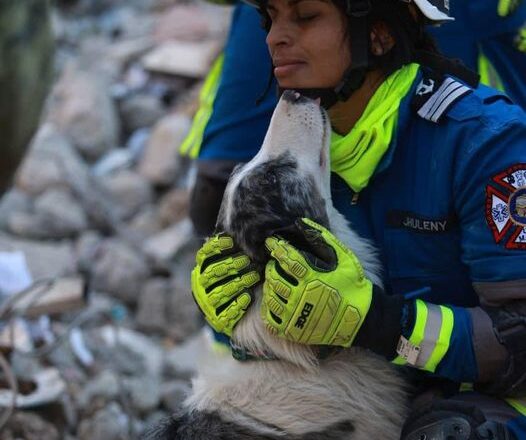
{"points": [[518, 404], [430, 337], [191, 145]]}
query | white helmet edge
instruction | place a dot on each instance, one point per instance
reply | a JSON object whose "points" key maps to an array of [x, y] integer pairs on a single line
{"points": [[432, 12]]}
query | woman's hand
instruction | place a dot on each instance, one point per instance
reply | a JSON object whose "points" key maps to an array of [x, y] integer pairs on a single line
{"points": [[320, 296], [221, 282]]}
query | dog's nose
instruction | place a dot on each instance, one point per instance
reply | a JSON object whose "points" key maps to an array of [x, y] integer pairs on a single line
{"points": [[293, 97]]}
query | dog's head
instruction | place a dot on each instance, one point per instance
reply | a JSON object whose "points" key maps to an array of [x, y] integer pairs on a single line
{"points": [[288, 179]]}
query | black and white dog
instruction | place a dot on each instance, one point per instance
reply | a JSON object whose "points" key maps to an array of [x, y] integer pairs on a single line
{"points": [[351, 395]]}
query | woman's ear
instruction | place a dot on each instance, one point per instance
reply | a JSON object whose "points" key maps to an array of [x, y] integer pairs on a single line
{"points": [[381, 39]]}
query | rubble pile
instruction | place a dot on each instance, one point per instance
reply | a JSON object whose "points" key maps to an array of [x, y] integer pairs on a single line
{"points": [[98, 215]]}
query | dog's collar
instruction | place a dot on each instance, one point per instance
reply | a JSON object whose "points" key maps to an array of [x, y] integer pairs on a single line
{"points": [[243, 354]]}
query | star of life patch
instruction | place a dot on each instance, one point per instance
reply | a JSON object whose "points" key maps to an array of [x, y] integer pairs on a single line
{"points": [[506, 207]]}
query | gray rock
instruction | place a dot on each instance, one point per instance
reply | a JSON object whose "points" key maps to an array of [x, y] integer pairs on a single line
{"points": [[28, 426], [174, 206], [24, 367], [165, 245], [82, 109], [86, 250], [152, 305], [161, 163], [114, 160], [174, 393], [119, 270], [183, 360], [145, 223], [140, 110], [130, 190], [109, 423], [60, 214], [104, 387], [43, 259], [25, 224], [145, 348], [119, 358], [184, 318], [14, 201], [144, 393], [185, 58], [52, 162]]}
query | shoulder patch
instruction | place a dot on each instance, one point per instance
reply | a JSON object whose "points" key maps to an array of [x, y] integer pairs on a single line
{"points": [[506, 207], [436, 94]]}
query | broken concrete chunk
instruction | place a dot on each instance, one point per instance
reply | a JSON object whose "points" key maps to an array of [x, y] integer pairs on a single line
{"points": [[184, 58]]}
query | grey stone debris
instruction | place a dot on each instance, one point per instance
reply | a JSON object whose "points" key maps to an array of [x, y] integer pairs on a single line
{"points": [[184, 318], [86, 250], [130, 191], [44, 259], [144, 393], [140, 110], [174, 206], [29, 426], [183, 58], [165, 245], [60, 214], [119, 270], [109, 423], [13, 201], [75, 97], [152, 305], [102, 195], [161, 163], [104, 387], [146, 222]]}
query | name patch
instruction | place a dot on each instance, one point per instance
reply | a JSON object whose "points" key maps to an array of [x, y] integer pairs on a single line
{"points": [[417, 223]]}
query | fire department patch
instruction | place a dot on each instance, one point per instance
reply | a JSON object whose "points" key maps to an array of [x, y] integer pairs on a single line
{"points": [[506, 207]]}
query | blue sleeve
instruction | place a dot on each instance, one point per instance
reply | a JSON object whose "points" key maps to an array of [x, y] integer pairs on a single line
{"points": [[237, 126], [490, 199], [490, 188], [489, 193]]}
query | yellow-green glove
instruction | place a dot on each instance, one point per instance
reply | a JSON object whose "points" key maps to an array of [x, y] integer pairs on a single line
{"points": [[507, 7], [315, 296], [221, 282]]}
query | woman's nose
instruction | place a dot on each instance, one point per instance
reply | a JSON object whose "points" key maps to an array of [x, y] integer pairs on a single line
{"points": [[278, 35]]}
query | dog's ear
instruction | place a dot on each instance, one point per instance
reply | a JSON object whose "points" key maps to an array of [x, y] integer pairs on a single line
{"points": [[165, 430]]}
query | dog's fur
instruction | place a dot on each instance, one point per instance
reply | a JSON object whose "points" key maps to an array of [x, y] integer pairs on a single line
{"points": [[351, 395]]}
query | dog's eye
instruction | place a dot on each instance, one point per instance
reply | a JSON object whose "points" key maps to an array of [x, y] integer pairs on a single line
{"points": [[269, 178]]}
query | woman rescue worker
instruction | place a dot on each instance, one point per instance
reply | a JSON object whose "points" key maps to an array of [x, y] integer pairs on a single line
{"points": [[432, 168]]}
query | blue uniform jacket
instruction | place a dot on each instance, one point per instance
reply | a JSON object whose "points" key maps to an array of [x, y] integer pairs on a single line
{"points": [[445, 210]]}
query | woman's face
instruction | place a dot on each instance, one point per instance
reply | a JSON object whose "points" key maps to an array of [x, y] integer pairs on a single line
{"points": [[307, 43]]}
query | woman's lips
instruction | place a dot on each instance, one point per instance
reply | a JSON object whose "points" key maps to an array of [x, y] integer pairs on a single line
{"points": [[283, 69]]}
